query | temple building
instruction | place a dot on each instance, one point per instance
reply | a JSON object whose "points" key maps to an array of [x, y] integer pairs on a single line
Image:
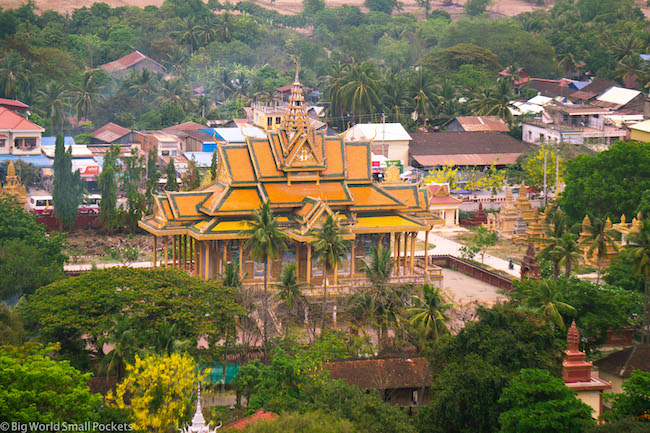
{"points": [[576, 373], [13, 187], [305, 176], [517, 219]]}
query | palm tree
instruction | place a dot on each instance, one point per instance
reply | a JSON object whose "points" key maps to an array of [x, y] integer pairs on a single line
{"points": [[334, 81], [53, 102], [380, 268], [175, 92], [230, 276], [600, 238], [545, 297], [421, 89], [12, 72], [125, 346], [164, 340], [189, 32], [568, 251], [430, 315], [639, 248], [290, 290], [87, 93], [360, 89], [330, 246], [224, 27], [496, 101], [143, 84], [265, 241], [394, 95], [555, 228]]}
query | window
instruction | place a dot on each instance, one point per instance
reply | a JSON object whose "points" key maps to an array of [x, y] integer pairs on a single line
{"points": [[41, 202], [25, 143], [3, 142], [165, 153], [269, 121], [173, 153], [278, 120]]}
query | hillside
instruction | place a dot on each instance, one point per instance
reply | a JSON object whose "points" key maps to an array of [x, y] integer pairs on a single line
{"points": [[499, 8]]}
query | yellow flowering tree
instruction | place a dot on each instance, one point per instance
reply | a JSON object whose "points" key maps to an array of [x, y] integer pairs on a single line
{"points": [[494, 179], [157, 390], [445, 174], [534, 167]]}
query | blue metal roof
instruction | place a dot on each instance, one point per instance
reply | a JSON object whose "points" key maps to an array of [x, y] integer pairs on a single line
{"points": [[579, 84], [51, 141], [38, 160], [230, 135], [645, 57]]}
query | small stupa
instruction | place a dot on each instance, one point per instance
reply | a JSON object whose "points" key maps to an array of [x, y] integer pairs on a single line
{"points": [[529, 265], [13, 187], [198, 422]]}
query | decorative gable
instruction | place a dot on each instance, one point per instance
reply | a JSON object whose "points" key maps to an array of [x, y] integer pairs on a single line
{"points": [[303, 155]]}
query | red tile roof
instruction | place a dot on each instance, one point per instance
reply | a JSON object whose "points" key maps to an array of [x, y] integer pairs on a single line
{"points": [[110, 132], [187, 126], [391, 373], [260, 415], [482, 123], [14, 121], [128, 61], [12, 104]]}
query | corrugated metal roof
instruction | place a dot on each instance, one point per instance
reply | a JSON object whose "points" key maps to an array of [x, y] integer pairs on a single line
{"points": [[540, 100], [618, 95], [234, 135], [37, 160], [380, 132], [51, 141], [467, 159], [202, 159], [641, 126], [482, 123]]}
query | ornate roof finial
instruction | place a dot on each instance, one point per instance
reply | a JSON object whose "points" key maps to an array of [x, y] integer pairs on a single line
{"points": [[608, 224], [295, 117], [623, 219], [198, 422], [586, 221], [11, 170], [573, 338], [522, 190]]}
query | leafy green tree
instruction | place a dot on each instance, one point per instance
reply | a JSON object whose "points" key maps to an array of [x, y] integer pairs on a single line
{"points": [[29, 258], [635, 400], [213, 166], [536, 401], [546, 297], [52, 101], [385, 6], [68, 186], [639, 251], [192, 177], [476, 7], [265, 240], [429, 315], [620, 273], [11, 327], [330, 246], [87, 305], [170, 172], [483, 239], [448, 61], [625, 425], [108, 188], [36, 388], [153, 176], [289, 289], [310, 422]]}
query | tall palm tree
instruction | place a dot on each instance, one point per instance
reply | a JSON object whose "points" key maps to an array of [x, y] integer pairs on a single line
{"points": [[12, 73], [555, 228], [224, 27], [86, 94], [189, 33], [600, 239], [53, 101], [334, 81], [165, 340], [330, 246], [430, 314], [360, 89], [639, 247], [496, 101], [394, 95], [422, 89], [175, 92], [289, 289], [143, 83], [265, 241], [380, 267], [545, 296], [569, 252], [125, 346]]}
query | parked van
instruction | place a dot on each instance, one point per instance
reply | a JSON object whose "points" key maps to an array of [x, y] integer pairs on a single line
{"points": [[90, 204], [40, 204]]}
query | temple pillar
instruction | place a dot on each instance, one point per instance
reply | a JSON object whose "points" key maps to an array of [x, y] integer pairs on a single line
{"points": [[215, 259], [397, 253], [155, 250], [174, 250], [297, 261], [426, 253], [413, 236], [198, 258], [183, 252], [406, 243], [224, 258], [241, 257], [308, 263], [208, 268], [166, 244], [353, 257]]}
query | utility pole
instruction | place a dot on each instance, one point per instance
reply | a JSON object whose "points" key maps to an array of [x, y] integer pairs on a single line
{"points": [[557, 171], [383, 135], [545, 155]]}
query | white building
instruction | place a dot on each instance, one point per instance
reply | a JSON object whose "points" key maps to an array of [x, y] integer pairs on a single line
{"points": [[388, 139], [18, 136]]}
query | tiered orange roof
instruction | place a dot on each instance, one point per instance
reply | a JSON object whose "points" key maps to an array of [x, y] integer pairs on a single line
{"points": [[305, 175]]}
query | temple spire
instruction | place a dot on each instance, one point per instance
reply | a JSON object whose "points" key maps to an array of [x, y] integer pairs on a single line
{"points": [[198, 421], [295, 117]]}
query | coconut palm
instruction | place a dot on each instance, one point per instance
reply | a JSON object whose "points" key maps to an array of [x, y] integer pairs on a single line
{"points": [[422, 89], [545, 296], [334, 81], [569, 252], [639, 248], [143, 83], [264, 240], [430, 313], [165, 340], [394, 95], [496, 101], [360, 89], [12, 73], [52, 100], [599, 240], [189, 32], [230, 276], [555, 228], [86, 95], [330, 246], [125, 346], [380, 267], [224, 27], [289, 289]]}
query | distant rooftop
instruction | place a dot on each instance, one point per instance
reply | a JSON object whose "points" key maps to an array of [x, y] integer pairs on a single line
{"points": [[128, 61], [110, 132]]}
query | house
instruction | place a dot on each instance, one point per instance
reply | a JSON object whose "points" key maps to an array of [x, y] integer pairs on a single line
{"points": [[112, 133], [522, 74], [405, 382], [617, 366], [477, 124], [388, 139], [575, 124], [640, 131], [482, 149], [617, 98], [136, 61], [18, 136], [599, 86], [270, 116], [549, 88], [444, 205], [164, 144]]}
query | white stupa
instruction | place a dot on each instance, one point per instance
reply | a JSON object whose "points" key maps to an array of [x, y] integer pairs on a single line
{"points": [[198, 422]]}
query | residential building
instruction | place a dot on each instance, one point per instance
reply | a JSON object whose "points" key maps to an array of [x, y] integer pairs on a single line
{"points": [[136, 61], [164, 144], [477, 124], [404, 382], [305, 176], [617, 366], [466, 149], [14, 105], [231, 135], [640, 131], [18, 136], [388, 139], [112, 133], [617, 98], [269, 116]]}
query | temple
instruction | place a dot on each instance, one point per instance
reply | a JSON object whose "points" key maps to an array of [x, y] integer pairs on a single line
{"points": [[305, 175], [13, 187], [576, 373]]}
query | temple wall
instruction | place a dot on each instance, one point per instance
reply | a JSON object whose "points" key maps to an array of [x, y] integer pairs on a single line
{"points": [[592, 399]]}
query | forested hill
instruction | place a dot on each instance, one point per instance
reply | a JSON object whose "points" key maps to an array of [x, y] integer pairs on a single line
{"points": [[218, 57]]}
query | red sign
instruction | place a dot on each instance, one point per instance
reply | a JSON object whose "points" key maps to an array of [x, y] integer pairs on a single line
{"points": [[376, 163], [90, 170]]}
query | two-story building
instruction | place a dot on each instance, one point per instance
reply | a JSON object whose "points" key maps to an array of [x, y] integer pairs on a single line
{"points": [[18, 136]]}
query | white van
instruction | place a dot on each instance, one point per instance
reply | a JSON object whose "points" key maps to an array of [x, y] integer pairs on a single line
{"points": [[40, 204]]}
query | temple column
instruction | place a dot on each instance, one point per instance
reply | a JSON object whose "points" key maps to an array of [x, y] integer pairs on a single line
{"points": [[353, 257], [215, 259], [198, 258], [208, 268], [192, 256], [397, 251], [241, 257], [174, 250], [183, 252], [297, 261], [308, 263], [155, 250], [166, 243], [224, 258], [413, 236], [426, 252], [457, 212], [406, 243]]}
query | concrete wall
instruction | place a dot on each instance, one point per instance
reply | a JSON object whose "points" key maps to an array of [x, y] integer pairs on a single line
{"points": [[640, 135], [593, 400]]}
